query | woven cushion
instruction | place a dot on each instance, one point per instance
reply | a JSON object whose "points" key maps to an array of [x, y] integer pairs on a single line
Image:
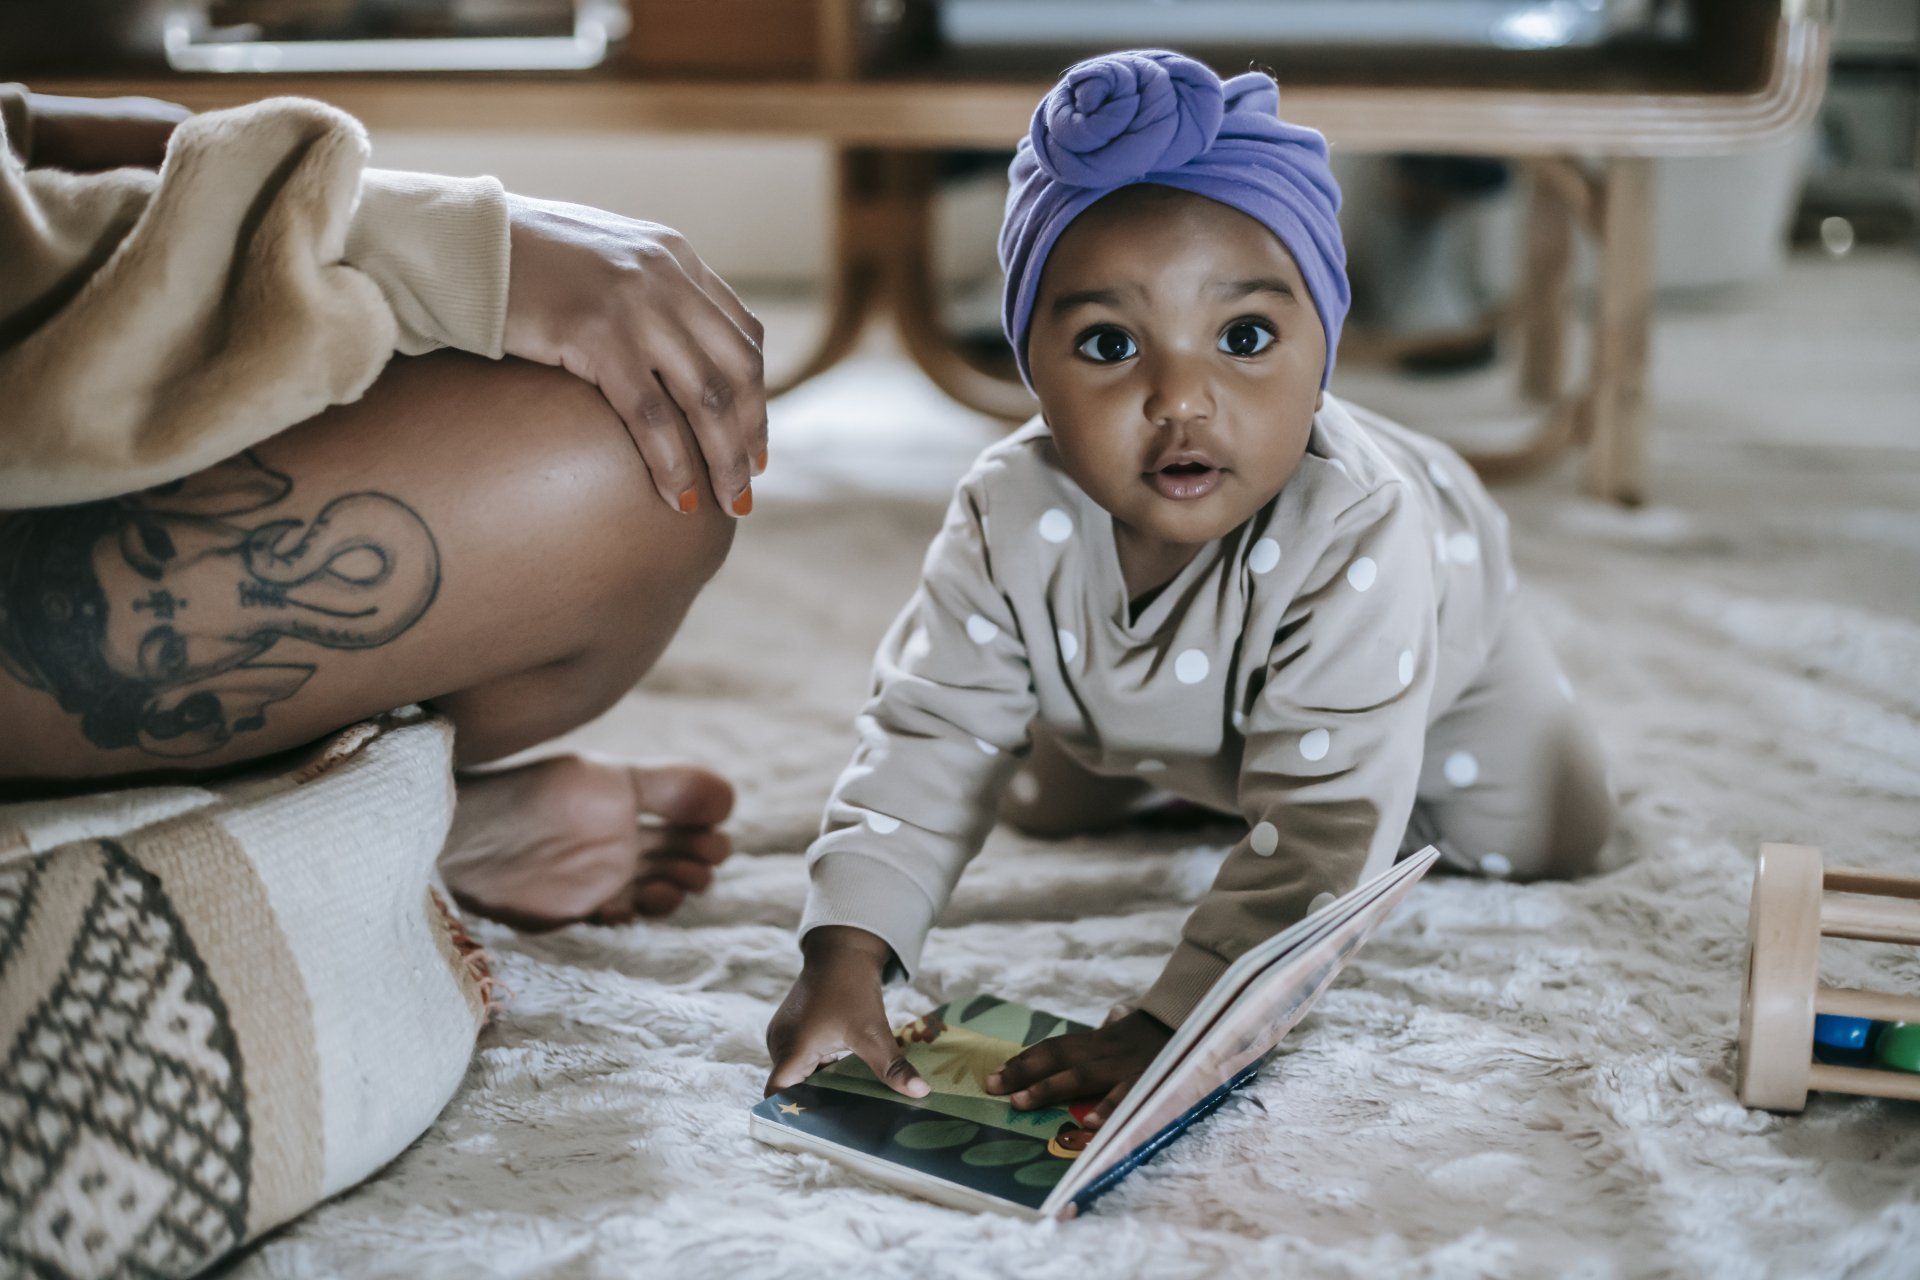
{"points": [[221, 1004]]}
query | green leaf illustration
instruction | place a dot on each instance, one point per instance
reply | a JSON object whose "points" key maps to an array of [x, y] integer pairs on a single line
{"points": [[979, 1005], [1041, 1173], [932, 1135], [1011, 1151]]}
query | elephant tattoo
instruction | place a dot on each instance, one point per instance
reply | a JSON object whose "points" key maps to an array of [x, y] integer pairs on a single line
{"points": [[147, 615]]}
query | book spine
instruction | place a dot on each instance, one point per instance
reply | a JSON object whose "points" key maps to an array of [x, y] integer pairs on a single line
{"points": [[1151, 1147]]}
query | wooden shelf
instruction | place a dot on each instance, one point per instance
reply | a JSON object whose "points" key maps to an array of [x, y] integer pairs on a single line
{"points": [[939, 114]]}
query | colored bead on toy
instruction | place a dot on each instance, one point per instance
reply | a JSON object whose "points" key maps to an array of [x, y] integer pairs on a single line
{"points": [[1898, 1046], [1841, 1033]]}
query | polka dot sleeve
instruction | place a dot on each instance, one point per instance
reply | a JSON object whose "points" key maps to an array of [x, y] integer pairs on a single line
{"points": [[946, 724], [1333, 744]]}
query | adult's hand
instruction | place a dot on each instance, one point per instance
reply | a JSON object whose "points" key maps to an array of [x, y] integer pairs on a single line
{"points": [[629, 307], [86, 135]]}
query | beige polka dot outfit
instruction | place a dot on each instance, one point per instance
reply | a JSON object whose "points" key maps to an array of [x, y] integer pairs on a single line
{"points": [[1348, 672]]}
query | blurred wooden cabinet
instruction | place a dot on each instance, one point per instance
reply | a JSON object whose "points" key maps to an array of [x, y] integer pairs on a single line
{"points": [[869, 77], [719, 38]]}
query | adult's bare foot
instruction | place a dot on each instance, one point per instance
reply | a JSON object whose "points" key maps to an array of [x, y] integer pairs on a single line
{"points": [[566, 839]]}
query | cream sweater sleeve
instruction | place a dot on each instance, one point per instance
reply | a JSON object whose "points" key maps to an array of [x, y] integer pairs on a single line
{"points": [[947, 723], [153, 324], [1333, 745]]}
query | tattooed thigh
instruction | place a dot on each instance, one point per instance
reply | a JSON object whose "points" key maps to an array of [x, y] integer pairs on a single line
{"points": [[173, 620]]}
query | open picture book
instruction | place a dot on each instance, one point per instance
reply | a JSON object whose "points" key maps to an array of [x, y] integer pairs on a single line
{"points": [[964, 1147]]}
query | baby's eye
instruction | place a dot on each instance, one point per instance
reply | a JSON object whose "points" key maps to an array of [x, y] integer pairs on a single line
{"points": [[1107, 346], [1246, 338]]}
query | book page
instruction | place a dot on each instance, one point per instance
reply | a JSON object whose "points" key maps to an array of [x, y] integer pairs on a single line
{"points": [[1270, 1002], [959, 1134]]}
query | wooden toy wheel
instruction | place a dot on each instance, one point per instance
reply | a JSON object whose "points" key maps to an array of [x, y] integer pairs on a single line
{"points": [[1783, 962]]}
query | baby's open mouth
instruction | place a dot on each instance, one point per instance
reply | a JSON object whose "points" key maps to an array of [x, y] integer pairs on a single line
{"points": [[1185, 481]]}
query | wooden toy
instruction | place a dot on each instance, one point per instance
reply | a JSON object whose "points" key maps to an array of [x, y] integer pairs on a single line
{"points": [[1796, 903]]}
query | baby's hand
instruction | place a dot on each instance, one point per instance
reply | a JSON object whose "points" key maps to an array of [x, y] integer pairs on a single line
{"points": [[1083, 1064], [833, 1009]]}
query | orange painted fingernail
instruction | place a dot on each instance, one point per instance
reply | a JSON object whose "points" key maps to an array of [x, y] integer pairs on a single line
{"points": [[743, 505], [689, 502], [760, 463]]}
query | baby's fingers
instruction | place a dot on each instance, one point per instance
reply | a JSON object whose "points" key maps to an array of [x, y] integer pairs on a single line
{"points": [[1035, 1063], [791, 1067], [882, 1054], [1115, 1096]]}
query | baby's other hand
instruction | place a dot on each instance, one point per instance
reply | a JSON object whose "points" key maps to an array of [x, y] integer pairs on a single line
{"points": [[1083, 1064], [834, 1009]]}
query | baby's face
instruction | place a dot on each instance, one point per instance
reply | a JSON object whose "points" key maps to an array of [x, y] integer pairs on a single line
{"points": [[1177, 357]]}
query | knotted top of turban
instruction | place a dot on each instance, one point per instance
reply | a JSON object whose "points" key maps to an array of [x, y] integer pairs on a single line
{"points": [[1156, 117]]}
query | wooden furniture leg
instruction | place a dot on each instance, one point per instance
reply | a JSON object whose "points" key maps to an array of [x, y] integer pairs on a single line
{"points": [[856, 274], [1543, 297], [1623, 319], [883, 261], [915, 297]]}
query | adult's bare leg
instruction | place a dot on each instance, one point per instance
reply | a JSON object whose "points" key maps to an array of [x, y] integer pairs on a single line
{"points": [[479, 537]]}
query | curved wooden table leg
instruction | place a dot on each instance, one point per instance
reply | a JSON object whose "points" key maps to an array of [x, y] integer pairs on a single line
{"points": [[853, 292], [1558, 432], [916, 302], [1609, 414]]}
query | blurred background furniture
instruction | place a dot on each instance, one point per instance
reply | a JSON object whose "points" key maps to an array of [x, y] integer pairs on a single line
{"points": [[1586, 94]]}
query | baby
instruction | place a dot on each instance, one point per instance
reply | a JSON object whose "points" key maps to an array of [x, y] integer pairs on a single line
{"points": [[1195, 571]]}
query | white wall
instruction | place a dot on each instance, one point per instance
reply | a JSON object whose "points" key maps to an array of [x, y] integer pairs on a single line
{"points": [[756, 209]]}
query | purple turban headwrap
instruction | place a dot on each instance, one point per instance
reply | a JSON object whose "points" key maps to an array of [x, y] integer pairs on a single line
{"points": [[1156, 117]]}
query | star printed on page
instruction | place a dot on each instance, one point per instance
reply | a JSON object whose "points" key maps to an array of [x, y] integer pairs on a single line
{"points": [[791, 1108]]}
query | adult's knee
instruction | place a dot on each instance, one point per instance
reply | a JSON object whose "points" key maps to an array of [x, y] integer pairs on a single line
{"points": [[632, 556]]}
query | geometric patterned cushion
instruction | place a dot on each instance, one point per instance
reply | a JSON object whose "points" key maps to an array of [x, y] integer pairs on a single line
{"points": [[220, 1005]]}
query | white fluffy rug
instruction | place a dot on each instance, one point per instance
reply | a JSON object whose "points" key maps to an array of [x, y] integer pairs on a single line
{"points": [[1511, 1081]]}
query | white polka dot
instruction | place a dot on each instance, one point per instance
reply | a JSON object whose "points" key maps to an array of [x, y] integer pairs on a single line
{"points": [[1362, 572], [1151, 765], [1191, 666], [1265, 838], [885, 825], [1056, 525], [1069, 645], [1406, 667], [1025, 788], [1566, 685], [1265, 555], [1439, 546], [1461, 769], [1463, 548], [1321, 901], [1438, 474], [980, 629], [1239, 719], [1314, 744], [986, 748], [1497, 865]]}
